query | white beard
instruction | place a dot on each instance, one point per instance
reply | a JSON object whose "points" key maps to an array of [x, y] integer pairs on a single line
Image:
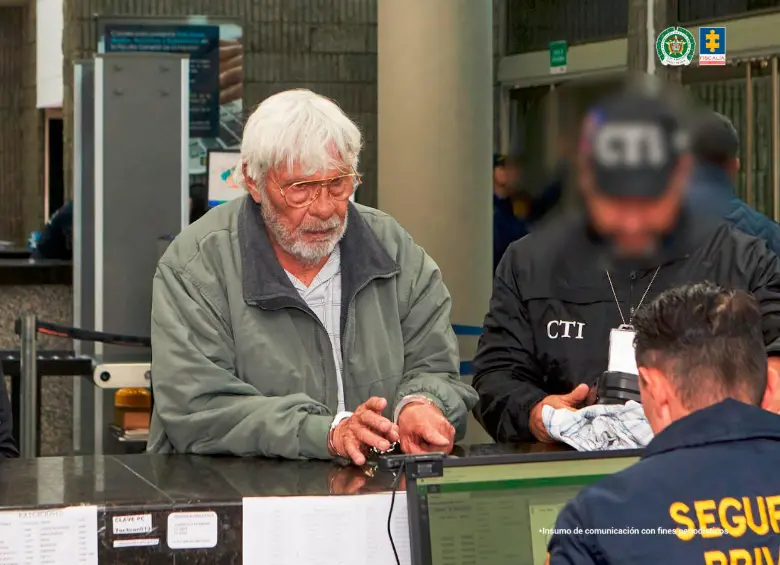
{"points": [[291, 240]]}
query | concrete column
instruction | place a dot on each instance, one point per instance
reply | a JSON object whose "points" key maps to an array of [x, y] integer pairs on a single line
{"points": [[435, 133], [646, 20]]}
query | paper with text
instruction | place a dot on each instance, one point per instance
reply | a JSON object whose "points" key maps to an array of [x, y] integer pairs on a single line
{"points": [[325, 530], [56, 536]]}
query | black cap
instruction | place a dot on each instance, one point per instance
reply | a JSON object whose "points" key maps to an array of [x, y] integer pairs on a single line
{"points": [[499, 160], [634, 142], [715, 139]]}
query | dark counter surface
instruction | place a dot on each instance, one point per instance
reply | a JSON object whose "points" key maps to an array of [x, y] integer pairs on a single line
{"points": [[20, 271], [165, 480]]}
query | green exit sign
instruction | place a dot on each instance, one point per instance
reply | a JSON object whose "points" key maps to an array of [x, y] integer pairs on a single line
{"points": [[558, 53]]}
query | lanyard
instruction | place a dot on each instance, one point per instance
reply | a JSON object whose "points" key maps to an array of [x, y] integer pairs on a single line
{"points": [[624, 325]]}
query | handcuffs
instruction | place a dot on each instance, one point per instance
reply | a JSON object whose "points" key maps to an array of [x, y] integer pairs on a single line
{"points": [[371, 465]]}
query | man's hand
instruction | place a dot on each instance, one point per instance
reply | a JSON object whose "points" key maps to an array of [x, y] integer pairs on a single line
{"points": [[231, 71], [570, 401], [424, 429], [347, 480], [366, 428]]}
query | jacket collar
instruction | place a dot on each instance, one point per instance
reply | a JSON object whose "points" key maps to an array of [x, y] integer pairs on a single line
{"points": [[266, 285], [727, 421], [712, 179], [690, 232]]}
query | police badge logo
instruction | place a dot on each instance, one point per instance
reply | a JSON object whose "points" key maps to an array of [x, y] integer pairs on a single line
{"points": [[675, 46]]}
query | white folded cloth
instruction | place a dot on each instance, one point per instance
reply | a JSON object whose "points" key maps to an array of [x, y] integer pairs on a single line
{"points": [[599, 427]]}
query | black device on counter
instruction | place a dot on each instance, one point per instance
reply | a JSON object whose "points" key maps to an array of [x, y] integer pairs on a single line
{"points": [[616, 387]]}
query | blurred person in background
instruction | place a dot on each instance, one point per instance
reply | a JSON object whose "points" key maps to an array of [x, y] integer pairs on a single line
{"points": [[507, 227], [712, 189], [713, 462], [516, 210], [57, 237], [199, 201], [562, 295]]}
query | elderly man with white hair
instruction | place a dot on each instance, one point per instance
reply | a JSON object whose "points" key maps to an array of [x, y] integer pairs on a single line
{"points": [[294, 323]]}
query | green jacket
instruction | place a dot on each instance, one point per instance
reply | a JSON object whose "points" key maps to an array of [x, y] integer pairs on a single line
{"points": [[241, 365]]}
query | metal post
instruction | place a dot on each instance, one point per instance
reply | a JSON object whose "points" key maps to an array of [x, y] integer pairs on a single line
{"points": [[775, 142], [28, 418], [748, 165], [553, 126]]}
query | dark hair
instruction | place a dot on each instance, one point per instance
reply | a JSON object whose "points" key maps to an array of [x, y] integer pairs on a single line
{"points": [[715, 139], [708, 342], [200, 201]]}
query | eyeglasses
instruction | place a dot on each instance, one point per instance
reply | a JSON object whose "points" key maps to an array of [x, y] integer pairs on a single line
{"points": [[302, 194]]}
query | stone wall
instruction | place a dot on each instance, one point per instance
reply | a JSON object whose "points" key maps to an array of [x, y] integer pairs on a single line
{"points": [[21, 127], [328, 46]]}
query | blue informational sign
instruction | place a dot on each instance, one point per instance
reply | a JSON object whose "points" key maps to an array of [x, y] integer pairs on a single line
{"points": [[200, 42], [216, 72]]}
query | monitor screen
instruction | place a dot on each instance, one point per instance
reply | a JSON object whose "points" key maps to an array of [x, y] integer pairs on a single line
{"points": [[500, 514], [221, 185]]}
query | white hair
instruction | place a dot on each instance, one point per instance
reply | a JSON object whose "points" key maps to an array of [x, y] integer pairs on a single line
{"points": [[298, 126]]}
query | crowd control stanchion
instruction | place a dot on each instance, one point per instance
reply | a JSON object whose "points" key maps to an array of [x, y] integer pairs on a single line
{"points": [[28, 417], [28, 365]]}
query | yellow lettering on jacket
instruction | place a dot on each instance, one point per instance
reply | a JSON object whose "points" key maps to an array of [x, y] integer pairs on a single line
{"points": [[678, 511], [732, 516]]}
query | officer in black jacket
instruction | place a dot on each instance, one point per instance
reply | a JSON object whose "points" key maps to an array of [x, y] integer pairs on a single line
{"points": [[7, 444], [706, 489], [564, 294]]}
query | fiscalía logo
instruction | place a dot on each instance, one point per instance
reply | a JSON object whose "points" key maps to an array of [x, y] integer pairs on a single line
{"points": [[675, 46], [712, 46]]}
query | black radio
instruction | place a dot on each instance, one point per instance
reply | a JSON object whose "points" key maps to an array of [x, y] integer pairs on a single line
{"points": [[615, 387]]}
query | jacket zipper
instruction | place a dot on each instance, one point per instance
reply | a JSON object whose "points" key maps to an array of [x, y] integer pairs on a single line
{"points": [[323, 397], [346, 323]]}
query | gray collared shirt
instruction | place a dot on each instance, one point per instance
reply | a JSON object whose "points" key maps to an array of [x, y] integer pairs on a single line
{"points": [[323, 296]]}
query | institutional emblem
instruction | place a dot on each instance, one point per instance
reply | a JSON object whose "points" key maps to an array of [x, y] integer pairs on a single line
{"points": [[712, 46], [675, 47]]}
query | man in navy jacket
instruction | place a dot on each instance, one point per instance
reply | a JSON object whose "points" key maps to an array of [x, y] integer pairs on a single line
{"points": [[716, 148], [707, 488], [7, 443]]}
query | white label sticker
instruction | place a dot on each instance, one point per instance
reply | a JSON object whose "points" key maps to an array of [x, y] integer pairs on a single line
{"points": [[622, 355], [133, 524], [143, 542], [192, 530], [56, 536]]}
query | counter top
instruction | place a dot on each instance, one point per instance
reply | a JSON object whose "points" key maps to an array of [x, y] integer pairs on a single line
{"points": [[172, 479], [154, 488], [20, 271]]}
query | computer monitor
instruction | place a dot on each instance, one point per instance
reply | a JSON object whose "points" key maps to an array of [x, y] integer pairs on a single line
{"points": [[499, 509], [222, 187]]}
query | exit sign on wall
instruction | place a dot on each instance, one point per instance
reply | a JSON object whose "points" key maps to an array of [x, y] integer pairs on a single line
{"points": [[558, 55]]}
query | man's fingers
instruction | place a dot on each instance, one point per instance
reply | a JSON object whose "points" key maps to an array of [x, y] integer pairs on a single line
{"points": [[369, 438], [411, 447], [394, 434], [435, 437], [375, 404], [577, 396], [376, 422], [352, 447], [354, 485]]}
